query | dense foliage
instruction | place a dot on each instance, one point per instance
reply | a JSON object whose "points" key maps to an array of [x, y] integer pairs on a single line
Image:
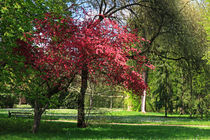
{"points": [[55, 58], [179, 44], [65, 46]]}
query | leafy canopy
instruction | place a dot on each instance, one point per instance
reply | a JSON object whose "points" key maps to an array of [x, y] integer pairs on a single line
{"points": [[61, 47]]}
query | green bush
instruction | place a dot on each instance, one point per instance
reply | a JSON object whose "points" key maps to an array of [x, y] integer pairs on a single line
{"points": [[70, 100], [133, 101], [7, 100]]}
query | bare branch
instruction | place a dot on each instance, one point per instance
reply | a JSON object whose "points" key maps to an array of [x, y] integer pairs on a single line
{"points": [[105, 6], [101, 6], [110, 12], [159, 54], [112, 8]]}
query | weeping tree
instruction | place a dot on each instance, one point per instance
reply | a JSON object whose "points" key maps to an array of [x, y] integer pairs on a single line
{"points": [[174, 33]]}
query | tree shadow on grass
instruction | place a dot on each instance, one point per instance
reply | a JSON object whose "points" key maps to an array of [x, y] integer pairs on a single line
{"points": [[151, 119], [20, 129]]}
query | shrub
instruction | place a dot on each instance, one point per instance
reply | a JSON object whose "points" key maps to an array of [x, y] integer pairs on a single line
{"points": [[7, 100]]}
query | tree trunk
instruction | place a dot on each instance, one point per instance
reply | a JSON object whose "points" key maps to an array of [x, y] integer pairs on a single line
{"points": [[166, 110], [37, 118], [191, 96], [166, 92], [111, 103], [143, 97], [181, 108], [19, 101], [91, 101], [22, 100], [81, 99], [143, 102]]}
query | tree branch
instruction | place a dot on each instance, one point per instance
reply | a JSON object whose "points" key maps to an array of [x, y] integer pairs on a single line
{"points": [[105, 6], [101, 6], [112, 8], [110, 12], [169, 58]]}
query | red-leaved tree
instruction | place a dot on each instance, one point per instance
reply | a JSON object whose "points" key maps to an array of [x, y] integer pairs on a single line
{"points": [[63, 47]]}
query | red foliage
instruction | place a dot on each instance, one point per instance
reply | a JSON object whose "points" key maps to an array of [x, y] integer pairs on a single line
{"points": [[61, 46]]}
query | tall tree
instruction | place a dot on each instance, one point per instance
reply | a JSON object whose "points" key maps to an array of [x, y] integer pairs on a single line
{"points": [[66, 47], [173, 31], [204, 7], [16, 18]]}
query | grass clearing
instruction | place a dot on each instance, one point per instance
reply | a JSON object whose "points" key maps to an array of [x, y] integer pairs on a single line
{"points": [[20, 128], [116, 116]]}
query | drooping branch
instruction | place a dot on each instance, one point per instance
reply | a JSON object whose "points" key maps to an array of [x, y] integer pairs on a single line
{"points": [[159, 54], [156, 34], [170, 58]]}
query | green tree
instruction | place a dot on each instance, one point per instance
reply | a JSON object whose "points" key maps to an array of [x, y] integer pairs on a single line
{"points": [[204, 6], [17, 18], [175, 34]]}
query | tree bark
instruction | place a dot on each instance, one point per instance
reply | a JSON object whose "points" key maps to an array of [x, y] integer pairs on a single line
{"points": [[37, 117], [166, 110], [143, 97], [166, 94], [143, 102], [111, 103], [81, 99]]}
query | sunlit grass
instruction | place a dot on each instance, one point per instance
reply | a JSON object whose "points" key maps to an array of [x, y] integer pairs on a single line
{"points": [[20, 129], [132, 128], [117, 116], [22, 106], [62, 111]]}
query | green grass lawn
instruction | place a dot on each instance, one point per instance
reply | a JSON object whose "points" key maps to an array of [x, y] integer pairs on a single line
{"points": [[155, 118], [117, 116], [20, 128]]}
